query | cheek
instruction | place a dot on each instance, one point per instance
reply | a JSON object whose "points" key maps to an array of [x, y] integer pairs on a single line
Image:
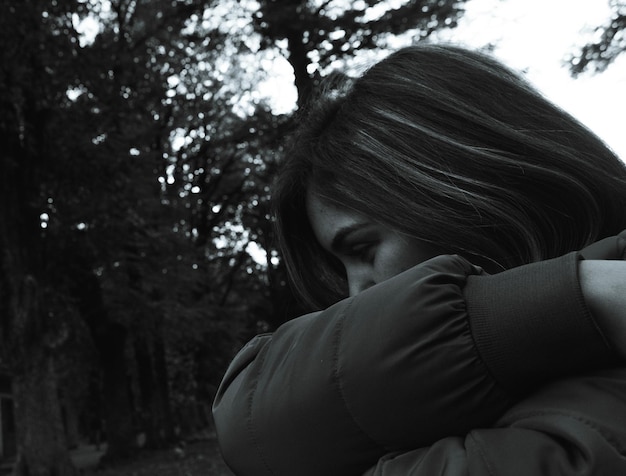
{"points": [[403, 255]]}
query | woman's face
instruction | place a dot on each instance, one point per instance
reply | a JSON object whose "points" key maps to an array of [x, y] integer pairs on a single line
{"points": [[370, 252]]}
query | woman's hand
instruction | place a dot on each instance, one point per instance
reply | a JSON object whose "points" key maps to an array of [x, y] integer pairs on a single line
{"points": [[603, 285]]}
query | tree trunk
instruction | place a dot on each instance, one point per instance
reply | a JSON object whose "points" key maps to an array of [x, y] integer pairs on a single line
{"points": [[27, 351], [299, 62], [118, 421], [41, 445], [110, 339], [163, 395], [154, 391], [71, 421]]}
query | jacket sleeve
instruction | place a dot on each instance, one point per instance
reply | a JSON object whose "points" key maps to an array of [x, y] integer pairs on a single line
{"points": [[571, 427], [402, 365], [574, 426]]}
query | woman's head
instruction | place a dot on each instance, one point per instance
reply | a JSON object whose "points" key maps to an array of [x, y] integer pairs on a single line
{"points": [[448, 147]]}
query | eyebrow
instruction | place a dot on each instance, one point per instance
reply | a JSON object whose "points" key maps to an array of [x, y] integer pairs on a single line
{"points": [[338, 242]]}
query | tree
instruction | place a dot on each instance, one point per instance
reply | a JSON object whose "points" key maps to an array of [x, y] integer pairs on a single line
{"points": [[82, 128], [127, 228], [610, 42], [229, 157], [314, 36], [320, 33], [31, 332]]}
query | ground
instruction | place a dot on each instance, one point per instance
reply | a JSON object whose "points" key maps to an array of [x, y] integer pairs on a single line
{"points": [[200, 458]]}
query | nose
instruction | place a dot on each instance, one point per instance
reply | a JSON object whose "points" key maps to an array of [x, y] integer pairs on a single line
{"points": [[359, 279]]}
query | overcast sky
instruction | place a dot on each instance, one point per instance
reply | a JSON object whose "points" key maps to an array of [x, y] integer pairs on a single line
{"points": [[535, 36]]}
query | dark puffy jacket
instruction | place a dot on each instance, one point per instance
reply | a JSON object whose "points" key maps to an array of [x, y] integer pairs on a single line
{"points": [[441, 370]]}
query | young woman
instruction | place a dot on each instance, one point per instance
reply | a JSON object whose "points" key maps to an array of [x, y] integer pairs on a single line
{"points": [[462, 236]]}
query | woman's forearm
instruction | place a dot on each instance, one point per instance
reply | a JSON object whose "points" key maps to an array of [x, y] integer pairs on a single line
{"points": [[436, 351]]}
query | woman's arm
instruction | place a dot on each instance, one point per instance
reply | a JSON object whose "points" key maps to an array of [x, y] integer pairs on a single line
{"points": [[570, 427], [403, 365]]}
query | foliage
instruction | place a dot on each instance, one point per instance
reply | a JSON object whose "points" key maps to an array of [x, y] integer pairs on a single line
{"points": [[609, 42], [317, 35]]}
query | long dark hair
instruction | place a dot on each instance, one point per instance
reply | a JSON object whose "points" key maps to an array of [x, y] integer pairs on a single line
{"points": [[451, 147]]}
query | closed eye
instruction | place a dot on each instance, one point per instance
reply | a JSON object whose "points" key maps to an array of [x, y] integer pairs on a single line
{"points": [[364, 251], [358, 240]]}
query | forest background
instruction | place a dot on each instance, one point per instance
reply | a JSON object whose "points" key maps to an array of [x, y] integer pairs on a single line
{"points": [[136, 159]]}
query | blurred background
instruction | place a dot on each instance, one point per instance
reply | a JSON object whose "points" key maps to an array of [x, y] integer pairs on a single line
{"points": [[138, 144]]}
